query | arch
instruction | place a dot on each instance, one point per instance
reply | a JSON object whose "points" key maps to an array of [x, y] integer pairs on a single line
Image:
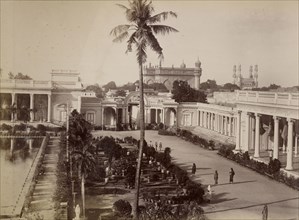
{"points": [[133, 98], [149, 81], [109, 114]]}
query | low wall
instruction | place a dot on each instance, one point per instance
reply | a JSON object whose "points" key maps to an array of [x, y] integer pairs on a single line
{"points": [[29, 181]]}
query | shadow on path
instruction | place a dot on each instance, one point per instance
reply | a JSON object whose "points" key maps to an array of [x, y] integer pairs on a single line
{"points": [[249, 181], [251, 206]]}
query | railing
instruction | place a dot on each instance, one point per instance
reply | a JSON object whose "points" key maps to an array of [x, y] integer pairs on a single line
{"points": [[277, 98], [18, 83]]}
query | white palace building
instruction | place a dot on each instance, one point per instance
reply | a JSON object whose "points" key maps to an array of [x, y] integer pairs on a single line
{"points": [[259, 122]]}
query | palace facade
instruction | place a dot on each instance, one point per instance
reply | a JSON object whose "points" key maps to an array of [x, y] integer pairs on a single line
{"points": [[260, 122], [167, 75]]}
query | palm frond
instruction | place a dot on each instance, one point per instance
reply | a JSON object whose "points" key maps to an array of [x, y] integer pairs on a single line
{"points": [[132, 40], [161, 17], [121, 37], [119, 29], [152, 41], [162, 29], [123, 7]]}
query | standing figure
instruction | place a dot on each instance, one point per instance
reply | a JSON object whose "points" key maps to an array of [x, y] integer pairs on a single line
{"points": [[193, 168], [231, 175], [77, 212], [156, 145], [265, 212], [216, 177], [150, 143], [160, 145]]}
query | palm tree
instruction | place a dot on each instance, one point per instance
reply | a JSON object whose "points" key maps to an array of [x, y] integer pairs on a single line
{"points": [[83, 151], [142, 28], [85, 161]]}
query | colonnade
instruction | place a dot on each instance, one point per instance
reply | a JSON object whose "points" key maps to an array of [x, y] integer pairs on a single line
{"points": [[253, 138], [31, 98], [224, 124]]}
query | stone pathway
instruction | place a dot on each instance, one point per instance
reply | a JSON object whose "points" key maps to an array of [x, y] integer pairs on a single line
{"points": [[242, 200], [42, 203]]}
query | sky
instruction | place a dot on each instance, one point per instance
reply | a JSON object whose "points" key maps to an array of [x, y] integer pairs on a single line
{"points": [[38, 36]]}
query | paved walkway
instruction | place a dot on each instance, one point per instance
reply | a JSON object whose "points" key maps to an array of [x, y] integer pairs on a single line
{"points": [[42, 203], [242, 200]]}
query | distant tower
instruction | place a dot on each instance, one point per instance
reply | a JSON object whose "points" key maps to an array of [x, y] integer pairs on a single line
{"points": [[235, 74], [250, 72], [197, 74], [183, 65], [239, 71], [256, 75]]}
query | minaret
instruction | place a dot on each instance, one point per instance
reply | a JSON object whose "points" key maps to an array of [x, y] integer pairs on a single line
{"points": [[239, 76], [250, 72], [235, 74], [256, 75], [197, 74]]}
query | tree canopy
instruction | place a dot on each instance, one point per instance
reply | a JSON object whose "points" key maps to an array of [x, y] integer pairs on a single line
{"points": [[18, 76], [96, 89], [110, 85], [182, 92]]}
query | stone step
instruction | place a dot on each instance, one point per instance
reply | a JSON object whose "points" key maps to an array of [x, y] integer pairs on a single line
{"points": [[42, 197], [42, 192], [41, 205]]}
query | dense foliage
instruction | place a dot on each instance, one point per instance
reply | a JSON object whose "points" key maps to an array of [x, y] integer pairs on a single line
{"points": [[272, 170], [182, 92]]}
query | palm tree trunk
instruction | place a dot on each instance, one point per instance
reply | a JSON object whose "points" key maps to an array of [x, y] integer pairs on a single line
{"points": [[83, 194], [138, 170]]}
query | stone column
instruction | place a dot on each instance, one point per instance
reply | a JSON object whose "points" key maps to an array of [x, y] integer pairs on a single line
{"points": [[208, 120], [257, 136], [31, 107], [221, 124], [252, 127], [13, 98], [289, 165], [49, 108], [225, 125], [103, 117], [156, 119], [296, 146], [247, 132], [238, 132], [229, 126], [276, 140], [216, 122], [79, 104], [205, 119]]}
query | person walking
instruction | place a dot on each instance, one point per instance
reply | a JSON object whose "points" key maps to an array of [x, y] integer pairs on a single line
{"points": [[193, 168], [265, 212], [160, 145], [156, 145], [216, 177], [231, 175]]}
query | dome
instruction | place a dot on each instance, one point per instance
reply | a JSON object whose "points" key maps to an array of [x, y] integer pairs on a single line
{"points": [[197, 63], [183, 65]]}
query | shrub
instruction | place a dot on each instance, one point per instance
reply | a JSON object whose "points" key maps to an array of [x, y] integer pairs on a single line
{"points": [[122, 208], [166, 132], [274, 166], [6, 127]]}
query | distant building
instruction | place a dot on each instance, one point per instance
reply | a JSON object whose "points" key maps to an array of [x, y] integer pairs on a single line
{"points": [[246, 83], [167, 75]]}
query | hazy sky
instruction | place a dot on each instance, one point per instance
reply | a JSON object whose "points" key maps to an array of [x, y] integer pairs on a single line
{"points": [[38, 36]]}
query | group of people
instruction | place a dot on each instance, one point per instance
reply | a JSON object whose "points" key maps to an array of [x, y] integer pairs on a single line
{"points": [[231, 174], [156, 145]]}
